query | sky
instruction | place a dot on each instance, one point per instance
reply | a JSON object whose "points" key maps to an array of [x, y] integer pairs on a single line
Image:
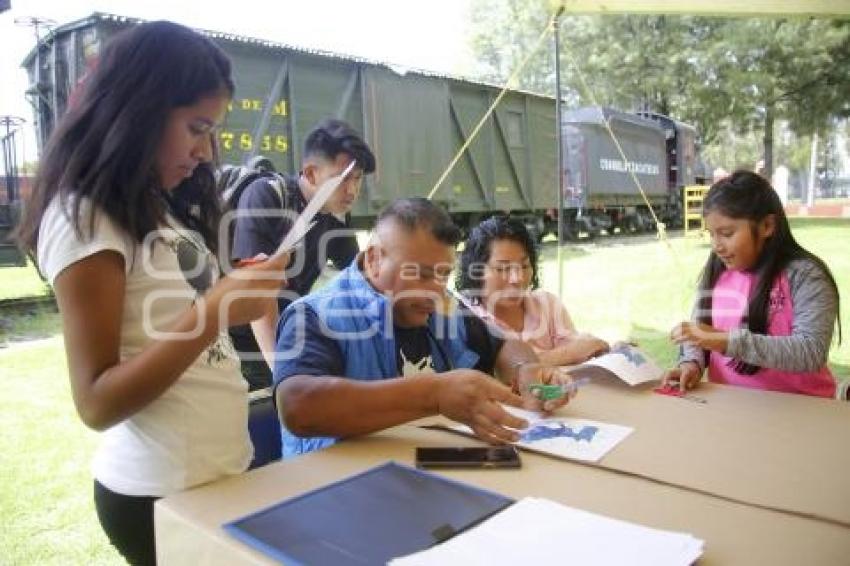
{"points": [[430, 36]]}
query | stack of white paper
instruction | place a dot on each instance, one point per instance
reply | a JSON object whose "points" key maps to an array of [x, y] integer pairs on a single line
{"points": [[539, 531]]}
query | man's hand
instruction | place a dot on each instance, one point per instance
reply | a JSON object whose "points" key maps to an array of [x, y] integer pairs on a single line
{"points": [[474, 399], [534, 373]]}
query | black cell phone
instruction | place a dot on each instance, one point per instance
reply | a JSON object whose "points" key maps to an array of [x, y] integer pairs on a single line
{"points": [[468, 457]]}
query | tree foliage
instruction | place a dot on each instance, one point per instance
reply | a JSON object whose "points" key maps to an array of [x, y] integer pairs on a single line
{"points": [[722, 75]]}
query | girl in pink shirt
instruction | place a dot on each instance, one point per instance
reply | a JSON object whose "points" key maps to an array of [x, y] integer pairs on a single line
{"points": [[767, 306], [499, 279]]}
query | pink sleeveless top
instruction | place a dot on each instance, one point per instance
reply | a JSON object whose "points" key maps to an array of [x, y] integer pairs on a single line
{"points": [[729, 305]]}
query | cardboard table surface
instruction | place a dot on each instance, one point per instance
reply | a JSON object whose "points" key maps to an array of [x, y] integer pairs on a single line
{"points": [[764, 448], [189, 524]]}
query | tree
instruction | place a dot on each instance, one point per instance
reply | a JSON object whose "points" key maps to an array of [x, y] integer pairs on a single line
{"points": [[504, 33], [792, 69], [628, 62], [29, 168], [710, 72]]}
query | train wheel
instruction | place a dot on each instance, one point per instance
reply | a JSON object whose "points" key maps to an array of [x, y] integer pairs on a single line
{"points": [[570, 233], [536, 235]]}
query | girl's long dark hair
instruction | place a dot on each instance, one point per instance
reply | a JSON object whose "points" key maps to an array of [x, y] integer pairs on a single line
{"points": [[104, 148], [477, 250], [747, 195]]}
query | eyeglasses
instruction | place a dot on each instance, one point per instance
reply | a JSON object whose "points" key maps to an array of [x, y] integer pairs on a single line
{"points": [[505, 270]]}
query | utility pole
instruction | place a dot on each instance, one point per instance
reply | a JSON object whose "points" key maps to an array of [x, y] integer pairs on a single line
{"points": [[38, 100], [10, 155]]}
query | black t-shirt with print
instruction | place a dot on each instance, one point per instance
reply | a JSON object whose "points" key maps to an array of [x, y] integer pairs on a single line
{"points": [[330, 239]]}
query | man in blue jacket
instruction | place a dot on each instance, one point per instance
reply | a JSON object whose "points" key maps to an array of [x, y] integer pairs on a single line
{"points": [[374, 349]]}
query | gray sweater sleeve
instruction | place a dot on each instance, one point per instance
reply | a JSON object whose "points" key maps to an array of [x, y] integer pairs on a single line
{"points": [[815, 307], [689, 352]]}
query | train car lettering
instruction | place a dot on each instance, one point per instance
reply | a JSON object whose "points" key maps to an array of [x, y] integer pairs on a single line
{"points": [[628, 167], [281, 144], [252, 104], [226, 140]]}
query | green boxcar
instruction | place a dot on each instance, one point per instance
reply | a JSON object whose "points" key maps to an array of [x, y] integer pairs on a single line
{"points": [[415, 122]]}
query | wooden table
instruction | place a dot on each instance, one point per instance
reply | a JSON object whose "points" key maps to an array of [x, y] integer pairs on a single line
{"points": [[761, 477]]}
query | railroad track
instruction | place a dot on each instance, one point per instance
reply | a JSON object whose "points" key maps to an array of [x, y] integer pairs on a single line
{"points": [[609, 240], [27, 305]]}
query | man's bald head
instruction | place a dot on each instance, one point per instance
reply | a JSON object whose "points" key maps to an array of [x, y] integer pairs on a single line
{"points": [[411, 214], [411, 257]]}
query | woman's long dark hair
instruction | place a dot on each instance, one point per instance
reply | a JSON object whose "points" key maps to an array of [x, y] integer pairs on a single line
{"points": [[477, 250], [104, 148], [747, 195]]}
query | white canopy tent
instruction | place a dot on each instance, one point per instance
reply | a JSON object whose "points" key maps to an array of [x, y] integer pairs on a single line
{"points": [[739, 8]]}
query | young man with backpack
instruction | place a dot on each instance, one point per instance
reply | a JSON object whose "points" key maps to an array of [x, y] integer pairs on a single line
{"points": [[259, 226]]}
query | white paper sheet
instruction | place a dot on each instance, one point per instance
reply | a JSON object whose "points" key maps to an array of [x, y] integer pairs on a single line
{"points": [[304, 221], [625, 361], [540, 531], [566, 437]]}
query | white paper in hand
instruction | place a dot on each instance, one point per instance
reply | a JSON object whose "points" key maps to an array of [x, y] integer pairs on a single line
{"points": [[624, 361], [304, 221]]}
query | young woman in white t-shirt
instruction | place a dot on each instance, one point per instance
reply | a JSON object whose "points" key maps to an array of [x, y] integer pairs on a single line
{"points": [[124, 222]]}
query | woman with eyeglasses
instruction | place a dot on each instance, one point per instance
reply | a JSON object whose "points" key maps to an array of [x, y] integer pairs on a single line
{"points": [[124, 224], [499, 280]]}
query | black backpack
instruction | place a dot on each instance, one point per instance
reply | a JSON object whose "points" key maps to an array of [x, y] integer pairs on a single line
{"points": [[232, 180]]}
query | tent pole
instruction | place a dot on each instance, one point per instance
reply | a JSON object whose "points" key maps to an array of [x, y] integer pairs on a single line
{"points": [[559, 173]]}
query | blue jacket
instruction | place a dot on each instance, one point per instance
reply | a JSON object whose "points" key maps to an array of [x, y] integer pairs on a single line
{"points": [[359, 318]]}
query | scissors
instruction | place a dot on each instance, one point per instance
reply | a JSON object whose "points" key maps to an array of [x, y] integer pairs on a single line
{"points": [[674, 391], [547, 392]]}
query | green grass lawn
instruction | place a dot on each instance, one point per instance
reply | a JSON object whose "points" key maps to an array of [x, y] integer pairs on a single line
{"points": [[46, 492], [619, 289], [21, 282]]}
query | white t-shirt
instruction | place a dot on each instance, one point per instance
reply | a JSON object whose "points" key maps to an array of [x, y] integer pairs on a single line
{"points": [[197, 430]]}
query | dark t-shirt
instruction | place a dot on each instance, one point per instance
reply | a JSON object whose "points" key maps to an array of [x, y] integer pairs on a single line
{"points": [[416, 347], [330, 239]]}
